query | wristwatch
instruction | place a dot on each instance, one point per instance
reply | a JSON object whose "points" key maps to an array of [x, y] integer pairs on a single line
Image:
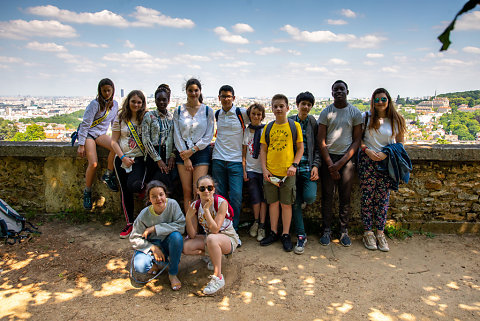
{"points": [[295, 165], [193, 150]]}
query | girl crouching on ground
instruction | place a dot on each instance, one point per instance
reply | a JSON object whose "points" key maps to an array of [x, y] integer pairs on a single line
{"points": [[214, 214], [157, 234]]}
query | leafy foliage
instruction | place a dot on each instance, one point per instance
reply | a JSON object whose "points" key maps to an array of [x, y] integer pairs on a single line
{"points": [[465, 125], [33, 132], [7, 129], [71, 121]]}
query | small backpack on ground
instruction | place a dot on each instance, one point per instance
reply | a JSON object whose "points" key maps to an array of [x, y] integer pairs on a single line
{"points": [[13, 224]]}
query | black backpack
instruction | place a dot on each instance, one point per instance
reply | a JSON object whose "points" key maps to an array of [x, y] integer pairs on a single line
{"points": [[238, 112], [12, 224], [293, 129]]}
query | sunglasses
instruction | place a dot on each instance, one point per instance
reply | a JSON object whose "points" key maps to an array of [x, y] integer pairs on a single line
{"points": [[203, 188], [383, 99]]}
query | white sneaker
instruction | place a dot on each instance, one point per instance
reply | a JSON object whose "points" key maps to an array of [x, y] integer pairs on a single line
{"points": [[253, 229], [207, 260], [261, 234], [214, 285], [369, 240], [382, 242]]}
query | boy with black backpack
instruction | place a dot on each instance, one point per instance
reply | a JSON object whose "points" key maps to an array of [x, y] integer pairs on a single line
{"points": [[280, 152], [307, 171], [227, 169]]}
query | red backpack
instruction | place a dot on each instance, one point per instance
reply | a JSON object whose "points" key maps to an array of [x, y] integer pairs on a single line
{"points": [[229, 214]]}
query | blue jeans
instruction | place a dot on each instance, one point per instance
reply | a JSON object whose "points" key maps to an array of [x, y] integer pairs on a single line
{"points": [[171, 246], [306, 193], [229, 179]]}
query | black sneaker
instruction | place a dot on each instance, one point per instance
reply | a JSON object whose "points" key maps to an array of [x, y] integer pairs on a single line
{"points": [[287, 243], [325, 239], [111, 181], [87, 200], [269, 239], [345, 239]]}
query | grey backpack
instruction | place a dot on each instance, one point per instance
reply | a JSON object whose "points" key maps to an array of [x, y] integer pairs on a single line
{"points": [[13, 225]]}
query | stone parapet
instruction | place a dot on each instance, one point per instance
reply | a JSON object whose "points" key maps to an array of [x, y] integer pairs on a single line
{"points": [[443, 191]]}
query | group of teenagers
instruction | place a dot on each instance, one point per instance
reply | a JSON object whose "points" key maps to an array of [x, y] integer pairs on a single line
{"points": [[280, 162]]}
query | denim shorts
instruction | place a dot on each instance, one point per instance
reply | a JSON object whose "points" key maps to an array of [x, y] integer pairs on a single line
{"points": [[202, 157], [255, 187]]}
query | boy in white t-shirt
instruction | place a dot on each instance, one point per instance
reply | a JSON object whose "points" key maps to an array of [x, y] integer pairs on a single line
{"points": [[252, 169]]}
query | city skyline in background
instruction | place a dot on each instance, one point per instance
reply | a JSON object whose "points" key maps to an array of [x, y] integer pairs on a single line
{"points": [[63, 48]]}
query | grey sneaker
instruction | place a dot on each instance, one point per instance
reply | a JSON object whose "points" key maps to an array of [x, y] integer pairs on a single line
{"points": [[369, 240], [300, 247], [325, 239], [253, 229], [261, 234], [214, 285], [382, 242], [207, 260], [345, 239]]}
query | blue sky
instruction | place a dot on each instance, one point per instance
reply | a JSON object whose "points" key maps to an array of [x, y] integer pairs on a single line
{"points": [[63, 48]]}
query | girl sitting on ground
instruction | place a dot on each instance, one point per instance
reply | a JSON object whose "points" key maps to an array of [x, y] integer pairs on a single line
{"points": [[157, 234], [214, 214]]}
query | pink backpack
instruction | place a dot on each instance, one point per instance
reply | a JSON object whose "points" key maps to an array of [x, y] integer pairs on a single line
{"points": [[229, 214]]}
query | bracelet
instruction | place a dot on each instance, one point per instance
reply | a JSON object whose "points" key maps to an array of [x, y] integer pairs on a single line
{"points": [[364, 149], [122, 156]]}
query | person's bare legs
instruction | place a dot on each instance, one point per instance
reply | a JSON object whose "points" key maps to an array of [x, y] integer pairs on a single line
{"points": [[186, 178], [274, 215], [286, 218], [91, 154], [106, 142], [217, 245]]}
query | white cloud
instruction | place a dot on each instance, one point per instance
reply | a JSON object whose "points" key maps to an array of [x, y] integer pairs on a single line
{"points": [[469, 21], [242, 28], [243, 51], [316, 36], [103, 18], [474, 50], [194, 66], [45, 46], [434, 55], [147, 17], [337, 22], [128, 44], [369, 63], [133, 55], [221, 55], [267, 51], [139, 60], [368, 41], [21, 29], [6, 59], [316, 69], [390, 69], [180, 43], [452, 62], [337, 61], [294, 52], [189, 58], [86, 44], [226, 36], [348, 13], [374, 55], [236, 64], [401, 58]]}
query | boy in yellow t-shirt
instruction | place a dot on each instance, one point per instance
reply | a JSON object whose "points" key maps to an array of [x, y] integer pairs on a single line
{"points": [[280, 157]]}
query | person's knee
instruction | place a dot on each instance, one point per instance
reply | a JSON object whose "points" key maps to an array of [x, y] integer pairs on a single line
{"points": [[142, 263], [93, 164], [176, 239]]}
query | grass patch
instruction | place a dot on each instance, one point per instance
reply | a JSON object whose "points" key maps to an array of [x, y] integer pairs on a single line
{"points": [[394, 231]]}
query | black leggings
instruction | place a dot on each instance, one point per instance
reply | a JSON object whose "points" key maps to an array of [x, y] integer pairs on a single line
{"points": [[130, 183]]}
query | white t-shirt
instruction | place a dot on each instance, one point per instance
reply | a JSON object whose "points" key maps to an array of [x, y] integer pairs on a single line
{"points": [[253, 165], [376, 140]]}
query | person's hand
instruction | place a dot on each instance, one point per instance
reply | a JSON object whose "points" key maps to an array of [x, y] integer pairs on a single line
{"points": [[267, 175], [128, 162], [188, 165], [192, 211], [81, 151], [245, 176], [207, 205], [335, 175], [163, 167], [314, 174], [171, 163], [186, 154], [157, 254], [374, 155], [148, 231], [334, 167], [291, 171]]}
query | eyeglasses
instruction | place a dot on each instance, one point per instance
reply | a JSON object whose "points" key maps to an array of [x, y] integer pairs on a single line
{"points": [[226, 97], [383, 99], [203, 188]]}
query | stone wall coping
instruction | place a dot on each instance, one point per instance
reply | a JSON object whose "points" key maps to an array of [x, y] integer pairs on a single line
{"points": [[417, 152]]}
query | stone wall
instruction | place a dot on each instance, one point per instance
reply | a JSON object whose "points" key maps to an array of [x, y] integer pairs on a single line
{"points": [[442, 195]]}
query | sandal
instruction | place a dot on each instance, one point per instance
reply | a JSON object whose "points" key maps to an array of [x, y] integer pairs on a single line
{"points": [[175, 282]]}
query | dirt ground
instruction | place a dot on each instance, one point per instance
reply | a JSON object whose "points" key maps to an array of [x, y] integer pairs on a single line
{"points": [[79, 273]]}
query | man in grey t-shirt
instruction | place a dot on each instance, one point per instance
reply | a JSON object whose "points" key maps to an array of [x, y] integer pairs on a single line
{"points": [[339, 135]]}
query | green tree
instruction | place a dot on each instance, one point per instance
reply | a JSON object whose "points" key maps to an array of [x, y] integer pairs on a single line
{"points": [[7, 129], [35, 132], [19, 137]]}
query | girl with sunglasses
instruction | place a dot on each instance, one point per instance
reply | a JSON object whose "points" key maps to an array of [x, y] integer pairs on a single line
{"points": [[214, 214], [383, 126]]}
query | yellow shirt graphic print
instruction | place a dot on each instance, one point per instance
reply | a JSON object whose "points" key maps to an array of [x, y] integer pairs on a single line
{"points": [[280, 153]]}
